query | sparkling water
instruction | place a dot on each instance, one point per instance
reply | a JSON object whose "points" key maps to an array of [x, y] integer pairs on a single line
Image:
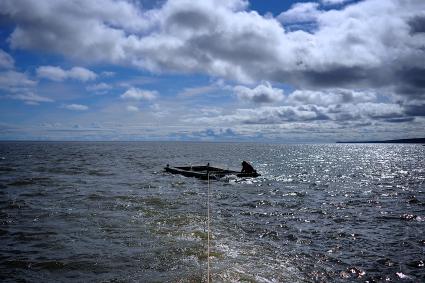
{"points": [[106, 212]]}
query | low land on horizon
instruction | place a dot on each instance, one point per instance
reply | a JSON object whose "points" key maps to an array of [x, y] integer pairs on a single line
{"points": [[415, 140]]}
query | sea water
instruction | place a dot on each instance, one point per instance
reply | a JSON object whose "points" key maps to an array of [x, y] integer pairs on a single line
{"points": [[107, 212]]}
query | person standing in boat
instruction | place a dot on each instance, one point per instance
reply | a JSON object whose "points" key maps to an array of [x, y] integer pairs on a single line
{"points": [[247, 168]]}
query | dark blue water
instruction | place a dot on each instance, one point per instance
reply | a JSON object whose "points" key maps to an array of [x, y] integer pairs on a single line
{"points": [[106, 212]]}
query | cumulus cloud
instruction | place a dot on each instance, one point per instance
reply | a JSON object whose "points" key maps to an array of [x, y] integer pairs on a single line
{"points": [[330, 96], [132, 108], [301, 12], [80, 29], [267, 115], [263, 93], [18, 86], [139, 94], [363, 112], [58, 74], [15, 81], [51, 73], [6, 61], [366, 45], [82, 74], [75, 107], [100, 88], [277, 115], [367, 110]]}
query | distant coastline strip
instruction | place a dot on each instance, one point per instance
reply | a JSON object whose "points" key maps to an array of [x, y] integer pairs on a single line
{"points": [[415, 140]]}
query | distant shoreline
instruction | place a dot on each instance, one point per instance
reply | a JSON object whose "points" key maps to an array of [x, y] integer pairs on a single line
{"points": [[416, 140]]}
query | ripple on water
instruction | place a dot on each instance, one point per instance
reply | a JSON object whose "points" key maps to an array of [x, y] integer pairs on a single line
{"points": [[7, 169], [20, 182], [100, 173], [318, 213]]}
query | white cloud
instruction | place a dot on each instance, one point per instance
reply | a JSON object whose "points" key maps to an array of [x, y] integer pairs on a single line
{"points": [[15, 81], [99, 87], [139, 94], [360, 112], [268, 115], [6, 61], [367, 44], [96, 28], [82, 74], [301, 12], [132, 108], [330, 96], [75, 107], [19, 86], [372, 110], [263, 93], [52, 73], [30, 98], [58, 74], [334, 2]]}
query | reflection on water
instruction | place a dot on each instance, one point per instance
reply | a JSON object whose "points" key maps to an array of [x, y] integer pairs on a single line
{"points": [[108, 212]]}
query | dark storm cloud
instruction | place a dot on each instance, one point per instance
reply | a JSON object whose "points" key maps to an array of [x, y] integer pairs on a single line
{"points": [[415, 108], [400, 120], [335, 76], [412, 81], [417, 24]]}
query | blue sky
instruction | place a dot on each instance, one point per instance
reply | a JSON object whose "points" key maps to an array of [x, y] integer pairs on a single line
{"points": [[215, 70]]}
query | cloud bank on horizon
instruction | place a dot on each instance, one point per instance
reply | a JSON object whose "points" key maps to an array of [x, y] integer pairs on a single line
{"points": [[178, 69]]}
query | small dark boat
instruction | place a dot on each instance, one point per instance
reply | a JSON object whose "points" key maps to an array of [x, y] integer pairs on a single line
{"points": [[202, 172]]}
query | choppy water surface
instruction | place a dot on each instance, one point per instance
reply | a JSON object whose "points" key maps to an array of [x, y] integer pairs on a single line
{"points": [[107, 212]]}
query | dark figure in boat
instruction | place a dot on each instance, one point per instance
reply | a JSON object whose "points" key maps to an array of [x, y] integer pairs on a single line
{"points": [[247, 168]]}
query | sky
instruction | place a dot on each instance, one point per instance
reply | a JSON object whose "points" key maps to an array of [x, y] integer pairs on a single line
{"points": [[212, 70]]}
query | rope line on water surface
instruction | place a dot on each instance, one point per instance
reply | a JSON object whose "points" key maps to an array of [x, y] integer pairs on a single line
{"points": [[208, 226]]}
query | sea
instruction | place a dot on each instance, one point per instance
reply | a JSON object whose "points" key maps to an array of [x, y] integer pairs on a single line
{"points": [[107, 212]]}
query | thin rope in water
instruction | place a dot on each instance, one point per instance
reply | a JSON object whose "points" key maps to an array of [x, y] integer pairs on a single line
{"points": [[208, 233]]}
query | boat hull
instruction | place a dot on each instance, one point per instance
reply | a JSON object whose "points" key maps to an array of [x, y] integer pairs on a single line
{"points": [[202, 172]]}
